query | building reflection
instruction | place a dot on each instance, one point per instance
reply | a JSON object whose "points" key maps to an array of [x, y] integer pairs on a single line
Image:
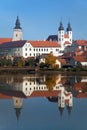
{"points": [[57, 88], [18, 102]]}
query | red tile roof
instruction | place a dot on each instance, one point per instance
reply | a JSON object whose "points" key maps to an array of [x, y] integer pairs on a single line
{"points": [[78, 52], [3, 96], [79, 86], [2, 40], [84, 53], [81, 42], [80, 58], [14, 44], [63, 61], [44, 93], [67, 42], [82, 95], [44, 43], [66, 36]]}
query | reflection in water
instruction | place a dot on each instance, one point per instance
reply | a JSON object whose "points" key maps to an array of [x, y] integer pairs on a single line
{"points": [[56, 88]]}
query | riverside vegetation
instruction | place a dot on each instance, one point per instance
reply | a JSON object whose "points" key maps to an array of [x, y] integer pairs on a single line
{"points": [[21, 65]]}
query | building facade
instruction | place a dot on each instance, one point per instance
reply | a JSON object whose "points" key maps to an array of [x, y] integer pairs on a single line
{"points": [[24, 48]]}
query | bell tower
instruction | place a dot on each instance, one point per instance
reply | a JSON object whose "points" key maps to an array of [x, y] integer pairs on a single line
{"points": [[69, 32], [17, 33], [61, 34]]}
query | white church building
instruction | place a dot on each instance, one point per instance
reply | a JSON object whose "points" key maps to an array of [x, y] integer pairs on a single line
{"points": [[25, 48]]}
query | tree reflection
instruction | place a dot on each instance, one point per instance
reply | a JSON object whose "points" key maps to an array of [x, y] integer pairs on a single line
{"points": [[50, 82]]}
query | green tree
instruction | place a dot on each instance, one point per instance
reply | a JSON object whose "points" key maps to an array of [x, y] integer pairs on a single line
{"points": [[5, 62]]}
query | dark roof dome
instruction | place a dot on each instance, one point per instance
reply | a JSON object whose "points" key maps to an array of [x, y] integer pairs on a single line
{"points": [[52, 38], [69, 27], [17, 24], [61, 26]]}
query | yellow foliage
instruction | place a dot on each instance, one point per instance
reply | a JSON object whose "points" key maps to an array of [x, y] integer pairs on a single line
{"points": [[50, 59]]}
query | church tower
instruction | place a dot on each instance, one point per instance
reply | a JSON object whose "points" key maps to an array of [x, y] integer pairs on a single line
{"points": [[61, 34], [69, 32], [18, 102], [17, 34]]}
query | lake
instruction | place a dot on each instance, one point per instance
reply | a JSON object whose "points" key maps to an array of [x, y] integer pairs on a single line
{"points": [[43, 102]]}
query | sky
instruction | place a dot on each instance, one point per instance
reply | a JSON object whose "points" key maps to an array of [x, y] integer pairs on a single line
{"points": [[41, 18]]}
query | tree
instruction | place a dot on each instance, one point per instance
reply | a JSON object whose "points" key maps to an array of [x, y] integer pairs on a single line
{"points": [[50, 82], [5, 62], [50, 60]]}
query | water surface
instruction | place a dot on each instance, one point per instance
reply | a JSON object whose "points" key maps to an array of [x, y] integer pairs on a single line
{"points": [[43, 102]]}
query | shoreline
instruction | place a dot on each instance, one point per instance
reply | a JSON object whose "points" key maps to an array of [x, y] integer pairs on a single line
{"points": [[27, 70]]}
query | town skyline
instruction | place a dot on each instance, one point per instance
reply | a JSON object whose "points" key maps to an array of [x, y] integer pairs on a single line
{"points": [[39, 19]]}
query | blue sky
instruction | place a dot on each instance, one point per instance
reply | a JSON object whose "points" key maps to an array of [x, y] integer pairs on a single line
{"points": [[40, 18]]}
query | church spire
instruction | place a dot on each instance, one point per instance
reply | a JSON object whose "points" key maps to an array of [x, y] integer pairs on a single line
{"points": [[61, 27], [17, 34], [69, 27], [18, 112], [17, 24]]}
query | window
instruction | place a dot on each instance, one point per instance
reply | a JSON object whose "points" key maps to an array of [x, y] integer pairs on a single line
{"points": [[18, 49], [26, 49], [25, 83], [57, 49], [16, 35], [18, 54], [25, 54], [30, 49], [59, 39]]}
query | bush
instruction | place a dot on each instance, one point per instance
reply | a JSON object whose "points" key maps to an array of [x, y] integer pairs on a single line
{"points": [[5, 62]]}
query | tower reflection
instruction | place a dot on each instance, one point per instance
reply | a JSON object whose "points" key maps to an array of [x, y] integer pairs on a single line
{"points": [[56, 88]]}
